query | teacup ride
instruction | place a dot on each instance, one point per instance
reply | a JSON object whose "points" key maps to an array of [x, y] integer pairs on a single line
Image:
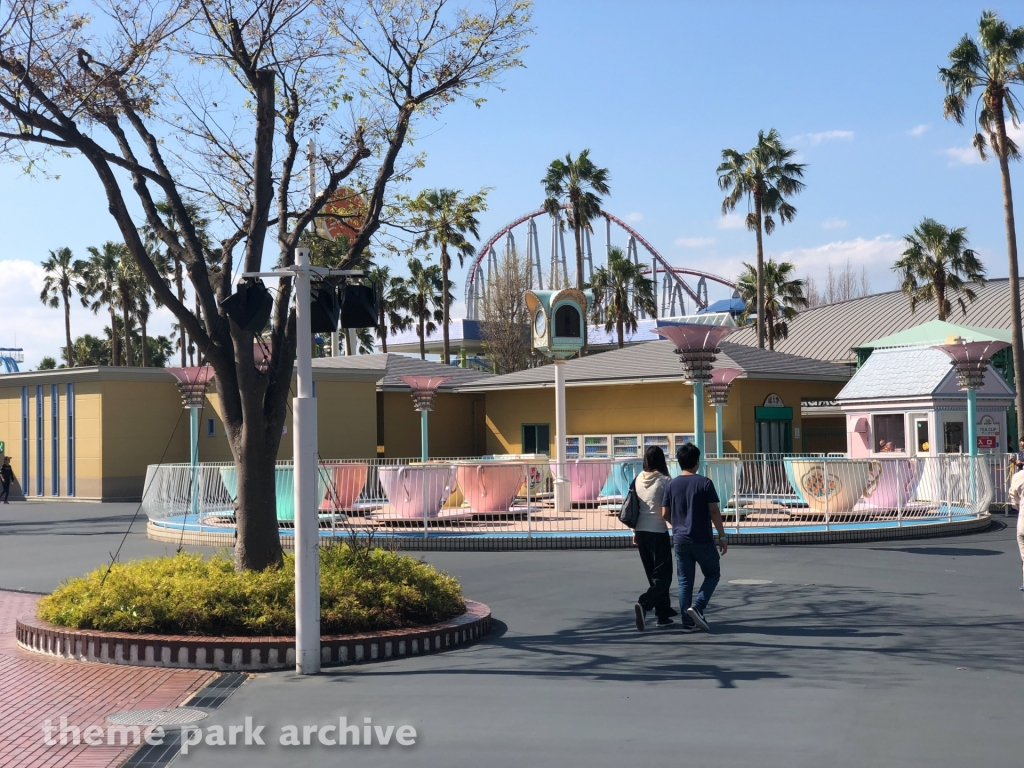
{"points": [[490, 487], [284, 485], [831, 486], [621, 475], [586, 478], [724, 473], [346, 481], [418, 492], [893, 487]]}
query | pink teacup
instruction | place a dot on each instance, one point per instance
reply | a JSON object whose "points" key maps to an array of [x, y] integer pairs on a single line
{"points": [[490, 487], [416, 491], [586, 478], [346, 483]]}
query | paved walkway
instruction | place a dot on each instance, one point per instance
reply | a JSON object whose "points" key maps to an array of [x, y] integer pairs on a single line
{"points": [[35, 689]]}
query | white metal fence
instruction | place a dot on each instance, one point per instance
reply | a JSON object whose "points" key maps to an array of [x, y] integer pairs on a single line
{"points": [[516, 494]]}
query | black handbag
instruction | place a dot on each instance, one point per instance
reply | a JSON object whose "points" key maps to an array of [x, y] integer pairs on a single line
{"points": [[629, 514]]}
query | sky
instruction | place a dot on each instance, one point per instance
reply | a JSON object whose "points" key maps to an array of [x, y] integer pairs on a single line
{"points": [[656, 90]]}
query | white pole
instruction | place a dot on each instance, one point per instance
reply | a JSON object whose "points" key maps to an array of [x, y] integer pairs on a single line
{"points": [[304, 481], [562, 498]]}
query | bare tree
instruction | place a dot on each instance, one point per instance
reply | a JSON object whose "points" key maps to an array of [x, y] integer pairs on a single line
{"points": [[840, 285], [505, 323], [209, 103]]}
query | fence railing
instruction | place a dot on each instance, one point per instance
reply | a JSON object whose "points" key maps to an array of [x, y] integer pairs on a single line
{"points": [[517, 494]]}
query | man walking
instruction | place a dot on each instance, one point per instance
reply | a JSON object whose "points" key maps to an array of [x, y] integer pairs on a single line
{"points": [[691, 507], [6, 475]]}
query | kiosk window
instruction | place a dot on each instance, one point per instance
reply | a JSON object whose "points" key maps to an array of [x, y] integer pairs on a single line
{"points": [[890, 433]]}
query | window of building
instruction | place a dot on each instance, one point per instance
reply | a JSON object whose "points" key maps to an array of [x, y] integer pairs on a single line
{"points": [[211, 427], [953, 434], [40, 457], [55, 440], [921, 429], [24, 440], [567, 322], [537, 438], [890, 434], [69, 430]]}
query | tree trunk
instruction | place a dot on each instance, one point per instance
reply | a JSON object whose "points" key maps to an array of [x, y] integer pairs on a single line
{"points": [[1014, 276], [257, 542], [67, 330], [115, 341], [619, 329], [577, 232], [182, 340], [760, 275], [444, 302], [382, 327], [770, 327], [940, 298], [126, 312], [423, 339]]}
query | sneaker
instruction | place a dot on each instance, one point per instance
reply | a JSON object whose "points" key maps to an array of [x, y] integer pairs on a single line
{"points": [[665, 622], [672, 612], [688, 628], [698, 618], [639, 611]]}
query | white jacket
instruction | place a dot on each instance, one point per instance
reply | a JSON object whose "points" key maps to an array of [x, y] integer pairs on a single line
{"points": [[650, 490]]}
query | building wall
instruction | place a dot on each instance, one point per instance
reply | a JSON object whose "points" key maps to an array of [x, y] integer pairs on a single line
{"points": [[451, 426], [652, 408]]}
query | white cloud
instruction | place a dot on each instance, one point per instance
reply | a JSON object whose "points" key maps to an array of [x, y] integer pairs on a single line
{"points": [[39, 329], [634, 216], [834, 223], [918, 130], [732, 221], [963, 156], [814, 139], [877, 254], [695, 242]]}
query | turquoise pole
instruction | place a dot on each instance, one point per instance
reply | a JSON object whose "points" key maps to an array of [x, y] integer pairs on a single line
{"points": [[719, 442], [424, 443], [194, 457], [972, 422], [698, 415]]}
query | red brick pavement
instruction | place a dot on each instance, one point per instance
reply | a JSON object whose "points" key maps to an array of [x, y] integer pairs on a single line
{"points": [[34, 689]]}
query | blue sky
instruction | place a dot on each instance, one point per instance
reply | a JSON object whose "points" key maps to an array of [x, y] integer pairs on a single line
{"points": [[656, 91]]}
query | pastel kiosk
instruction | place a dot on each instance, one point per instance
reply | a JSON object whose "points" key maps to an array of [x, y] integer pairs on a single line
{"points": [[558, 325]]}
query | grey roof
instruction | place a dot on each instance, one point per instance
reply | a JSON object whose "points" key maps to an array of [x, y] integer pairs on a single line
{"points": [[891, 373], [830, 332], [656, 360], [391, 366]]}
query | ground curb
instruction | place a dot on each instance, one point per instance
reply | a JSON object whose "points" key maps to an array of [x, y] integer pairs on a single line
{"points": [[246, 653]]}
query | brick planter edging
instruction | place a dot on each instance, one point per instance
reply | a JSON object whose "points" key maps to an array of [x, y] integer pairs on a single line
{"points": [[247, 653]]}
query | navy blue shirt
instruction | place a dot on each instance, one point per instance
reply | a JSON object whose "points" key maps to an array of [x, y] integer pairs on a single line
{"points": [[688, 498]]}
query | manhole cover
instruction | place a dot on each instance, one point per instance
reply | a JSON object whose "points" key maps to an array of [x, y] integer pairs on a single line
{"points": [[166, 716], [750, 581]]}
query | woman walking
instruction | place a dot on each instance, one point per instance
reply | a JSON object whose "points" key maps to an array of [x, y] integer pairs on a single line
{"points": [[653, 541]]}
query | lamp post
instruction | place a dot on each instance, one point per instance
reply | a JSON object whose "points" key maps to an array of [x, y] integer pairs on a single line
{"points": [[697, 346], [718, 393], [970, 359], [304, 481], [424, 390], [192, 386]]}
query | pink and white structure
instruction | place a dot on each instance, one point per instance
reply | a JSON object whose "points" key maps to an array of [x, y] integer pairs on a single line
{"points": [[718, 393], [697, 347], [424, 390], [192, 385], [970, 361]]}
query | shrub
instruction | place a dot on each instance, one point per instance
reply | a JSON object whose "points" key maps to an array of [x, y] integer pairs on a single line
{"points": [[361, 590]]}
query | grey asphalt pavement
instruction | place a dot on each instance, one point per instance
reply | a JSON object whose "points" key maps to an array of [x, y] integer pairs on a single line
{"points": [[892, 654]]}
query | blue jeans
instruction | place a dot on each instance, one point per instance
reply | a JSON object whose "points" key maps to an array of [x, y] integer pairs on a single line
{"points": [[688, 556]]}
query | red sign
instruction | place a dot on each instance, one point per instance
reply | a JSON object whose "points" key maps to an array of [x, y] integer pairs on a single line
{"points": [[987, 442]]}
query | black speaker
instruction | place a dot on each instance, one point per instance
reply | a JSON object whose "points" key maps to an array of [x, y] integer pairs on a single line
{"points": [[358, 306], [249, 307], [324, 308]]}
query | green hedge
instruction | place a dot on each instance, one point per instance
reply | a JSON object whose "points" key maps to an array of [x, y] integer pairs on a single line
{"points": [[361, 590]]}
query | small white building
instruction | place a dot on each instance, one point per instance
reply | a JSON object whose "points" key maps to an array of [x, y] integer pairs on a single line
{"points": [[906, 401]]}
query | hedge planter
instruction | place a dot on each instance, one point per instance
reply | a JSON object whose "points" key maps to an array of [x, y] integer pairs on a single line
{"points": [[247, 653]]}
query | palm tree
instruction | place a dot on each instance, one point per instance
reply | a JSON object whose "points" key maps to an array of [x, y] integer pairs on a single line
{"points": [[618, 289], [64, 274], [424, 288], [936, 264], [993, 67], [445, 218], [576, 184], [765, 176], [129, 280], [392, 303], [783, 297], [102, 288]]}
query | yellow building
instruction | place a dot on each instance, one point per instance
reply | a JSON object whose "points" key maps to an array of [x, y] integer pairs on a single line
{"points": [[90, 433], [618, 401]]}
